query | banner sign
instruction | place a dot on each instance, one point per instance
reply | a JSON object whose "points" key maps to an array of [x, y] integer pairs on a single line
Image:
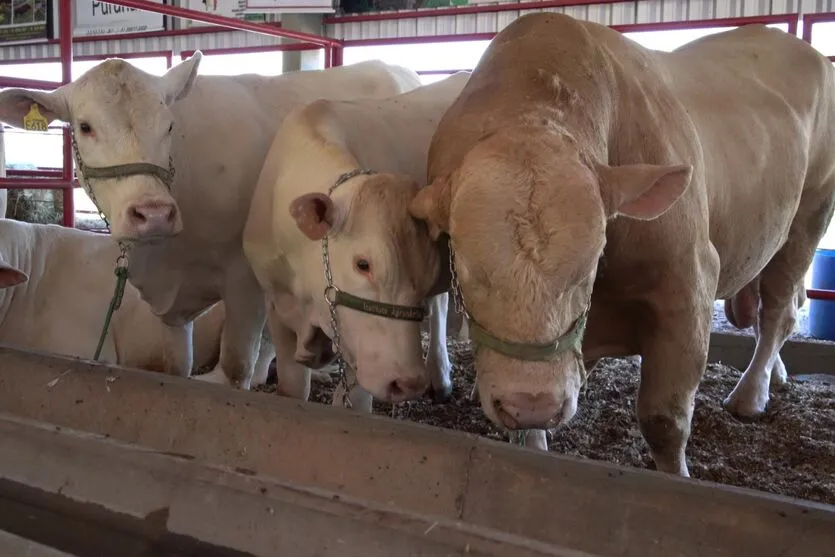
{"points": [[225, 8], [25, 20], [100, 18], [360, 6], [290, 6]]}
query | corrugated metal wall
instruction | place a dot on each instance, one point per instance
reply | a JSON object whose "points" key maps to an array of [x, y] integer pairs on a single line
{"points": [[643, 11], [232, 39]]}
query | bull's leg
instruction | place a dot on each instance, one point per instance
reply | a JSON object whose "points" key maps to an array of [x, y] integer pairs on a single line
{"points": [[239, 342], [178, 353], [437, 357], [775, 323], [674, 345], [292, 378], [266, 352], [780, 283], [534, 438], [464, 330], [742, 312]]}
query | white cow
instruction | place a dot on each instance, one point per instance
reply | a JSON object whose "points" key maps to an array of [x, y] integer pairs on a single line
{"points": [[212, 132], [372, 240], [56, 284]]}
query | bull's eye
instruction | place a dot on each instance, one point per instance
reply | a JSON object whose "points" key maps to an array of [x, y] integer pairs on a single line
{"points": [[171, 127], [85, 128], [363, 266]]}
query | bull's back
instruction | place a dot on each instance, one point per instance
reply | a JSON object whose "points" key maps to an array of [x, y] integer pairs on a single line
{"points": [[392, 134], [764, 137], [230, 123]]}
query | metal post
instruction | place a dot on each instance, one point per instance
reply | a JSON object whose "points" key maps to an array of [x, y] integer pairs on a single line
{"points": [[336, 59], [65, 30]]}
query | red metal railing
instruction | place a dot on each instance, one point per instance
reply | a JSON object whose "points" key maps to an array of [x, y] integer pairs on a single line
{"points": [[63, 179], [65, 182]]}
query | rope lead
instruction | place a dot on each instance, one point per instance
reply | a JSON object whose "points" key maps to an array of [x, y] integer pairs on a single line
{"points": [[121, 273]]}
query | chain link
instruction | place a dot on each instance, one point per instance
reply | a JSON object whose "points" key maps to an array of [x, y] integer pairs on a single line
{"points": [[330, 297], [457, 296]]}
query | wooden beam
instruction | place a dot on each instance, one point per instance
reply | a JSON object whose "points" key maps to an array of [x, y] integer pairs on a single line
{"points": [[596, 507]]}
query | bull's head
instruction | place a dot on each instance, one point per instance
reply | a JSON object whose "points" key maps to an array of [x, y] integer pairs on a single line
{"points": [[122, 127]]}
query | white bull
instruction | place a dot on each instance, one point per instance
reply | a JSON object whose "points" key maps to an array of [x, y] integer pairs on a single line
{"points": [[172, 161], [373, 242], [56, 284]]}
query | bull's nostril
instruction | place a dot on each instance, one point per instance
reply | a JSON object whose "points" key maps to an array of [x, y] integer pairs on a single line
{"points": [[136, 215]]}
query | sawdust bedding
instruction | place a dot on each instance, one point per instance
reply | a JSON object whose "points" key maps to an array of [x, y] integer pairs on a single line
{"points": [[789, 451]]}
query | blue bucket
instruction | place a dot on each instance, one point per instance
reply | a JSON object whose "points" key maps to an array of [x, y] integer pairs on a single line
{"points": [[822, 312]]}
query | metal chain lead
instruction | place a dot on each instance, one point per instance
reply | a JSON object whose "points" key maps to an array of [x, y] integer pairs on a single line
{"points": [[337, 345], [457, 297], [330, 290]]}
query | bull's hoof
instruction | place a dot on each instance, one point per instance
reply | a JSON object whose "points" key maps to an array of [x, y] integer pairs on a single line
{"points": [[324, 377], [216, 376], [745, 410], [440, 395]]}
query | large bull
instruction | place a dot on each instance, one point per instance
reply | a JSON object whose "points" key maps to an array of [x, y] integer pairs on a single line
{"points": [[171, 161], [691, 174]]}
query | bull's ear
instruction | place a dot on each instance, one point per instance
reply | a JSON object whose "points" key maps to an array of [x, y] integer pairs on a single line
{"points": [[177, 81], [30, 109], [431, 204], [11, 276], [315, 214], [642, 191]]}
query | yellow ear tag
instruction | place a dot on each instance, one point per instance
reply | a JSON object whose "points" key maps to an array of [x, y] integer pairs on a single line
{"points": [[34, 121]]}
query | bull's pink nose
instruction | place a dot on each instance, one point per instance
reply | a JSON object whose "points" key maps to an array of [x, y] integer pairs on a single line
{"points": [[406, 388], [153, 218], [527, 411]]}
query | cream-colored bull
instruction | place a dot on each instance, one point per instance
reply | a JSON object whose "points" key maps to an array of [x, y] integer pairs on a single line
{"points": [[373, 242], [689, 174], [56, 284], [213, 132]]}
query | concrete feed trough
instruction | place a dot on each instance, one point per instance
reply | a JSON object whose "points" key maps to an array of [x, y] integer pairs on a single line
{"points": [[104, 457]]}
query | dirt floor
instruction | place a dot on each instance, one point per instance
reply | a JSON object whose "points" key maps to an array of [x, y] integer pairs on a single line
{"points": [[790, 451]]}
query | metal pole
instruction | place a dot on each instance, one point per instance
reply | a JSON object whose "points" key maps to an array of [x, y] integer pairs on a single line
{"points": [[336, 59], [65, 30]]}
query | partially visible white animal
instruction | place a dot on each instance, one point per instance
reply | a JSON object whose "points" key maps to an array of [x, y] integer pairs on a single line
{"points": [[56, 284]]}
